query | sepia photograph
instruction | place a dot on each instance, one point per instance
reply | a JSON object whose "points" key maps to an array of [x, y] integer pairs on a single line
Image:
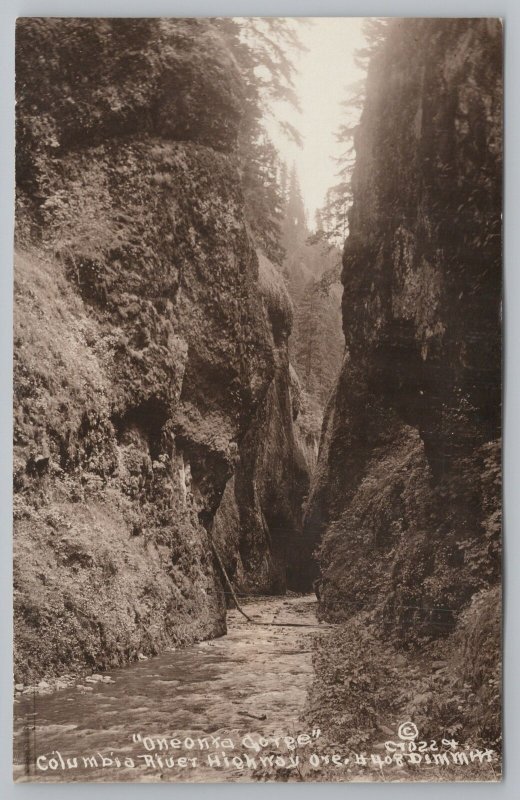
{"points": [[257, 408]]}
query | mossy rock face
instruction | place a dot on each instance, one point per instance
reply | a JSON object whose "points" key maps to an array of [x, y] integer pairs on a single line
{"points": [[413, 428], [259, 522], [405, 502], [144, 346], [81, 82]]}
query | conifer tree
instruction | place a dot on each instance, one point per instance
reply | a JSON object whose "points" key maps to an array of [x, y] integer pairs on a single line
{"points": [[295, 223], [264, 49], [339, 197]]}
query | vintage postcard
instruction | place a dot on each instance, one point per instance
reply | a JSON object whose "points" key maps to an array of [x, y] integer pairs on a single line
{"points": [[257, 400]]}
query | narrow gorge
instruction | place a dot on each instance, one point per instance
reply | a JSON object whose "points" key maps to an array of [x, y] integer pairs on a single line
{"points": [[200, 416]]}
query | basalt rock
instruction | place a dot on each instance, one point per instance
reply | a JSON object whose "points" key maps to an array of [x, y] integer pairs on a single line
{"points": [[407, 489], [262, 504], [144, 357]]}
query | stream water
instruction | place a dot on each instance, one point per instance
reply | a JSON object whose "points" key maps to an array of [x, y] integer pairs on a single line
{"points": [[251, 682]]}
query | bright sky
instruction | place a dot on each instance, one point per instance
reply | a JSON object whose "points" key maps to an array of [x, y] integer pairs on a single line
{"points": [[325, 72]]}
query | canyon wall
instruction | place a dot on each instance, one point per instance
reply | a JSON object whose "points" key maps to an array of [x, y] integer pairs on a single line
{"points": [[406, 496], [150, 354], [258, 525]]}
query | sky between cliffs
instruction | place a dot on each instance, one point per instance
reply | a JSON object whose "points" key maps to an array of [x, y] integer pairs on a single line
{"points": [[325, 71]]}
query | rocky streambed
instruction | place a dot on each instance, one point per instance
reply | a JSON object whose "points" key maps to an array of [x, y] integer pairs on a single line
{"points": [[174, 717]]}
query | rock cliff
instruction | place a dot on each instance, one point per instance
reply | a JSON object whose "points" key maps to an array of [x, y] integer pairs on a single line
{"points": [[406, 497], [147, 355], [262, 504]]}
